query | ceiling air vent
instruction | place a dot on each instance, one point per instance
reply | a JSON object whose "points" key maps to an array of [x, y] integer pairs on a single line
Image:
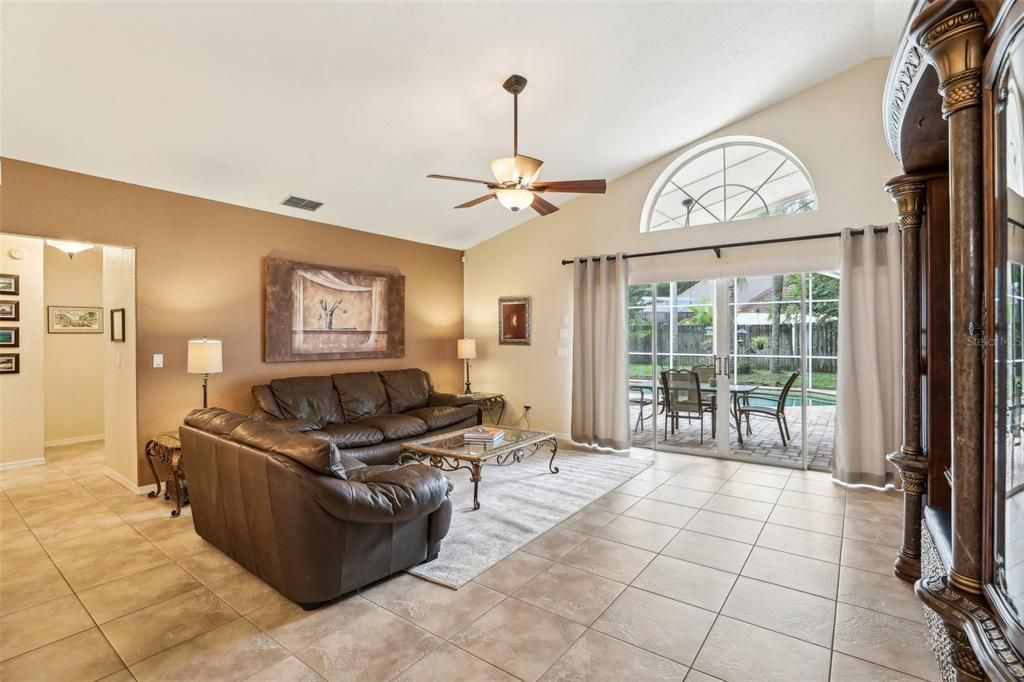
{"points": [[304, 204]]}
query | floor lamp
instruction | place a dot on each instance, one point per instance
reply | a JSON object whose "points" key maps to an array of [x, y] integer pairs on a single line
{"points": [[204, 357], [467, 352]]}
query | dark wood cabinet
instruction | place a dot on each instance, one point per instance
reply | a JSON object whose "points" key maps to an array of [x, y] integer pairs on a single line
{"points": [[953, 113]]}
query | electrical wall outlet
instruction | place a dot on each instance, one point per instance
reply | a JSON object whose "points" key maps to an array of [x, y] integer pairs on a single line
{"points": [[563, 352], [527, 408], [158, 360]]}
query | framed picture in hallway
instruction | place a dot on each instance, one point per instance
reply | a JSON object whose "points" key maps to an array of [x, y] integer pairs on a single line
{"points": [[9, 285], [74, 320], [10, 337], [117, 325], [10, 363], [321, 312], [10, 311], [515, 320]]}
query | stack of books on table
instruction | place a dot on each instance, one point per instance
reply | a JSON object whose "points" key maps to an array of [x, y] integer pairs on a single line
{"points": [[483, 435]]}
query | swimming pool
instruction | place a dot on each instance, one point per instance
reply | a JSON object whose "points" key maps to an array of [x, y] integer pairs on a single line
{"points": [[814, 399]]}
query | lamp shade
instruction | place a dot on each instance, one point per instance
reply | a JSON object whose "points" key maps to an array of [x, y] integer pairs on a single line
{"points": [[517, 169], [467, 349], [204, 356]]}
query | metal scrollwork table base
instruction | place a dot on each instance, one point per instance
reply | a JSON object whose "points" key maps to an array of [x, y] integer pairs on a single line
{"points": [[450, 452]]}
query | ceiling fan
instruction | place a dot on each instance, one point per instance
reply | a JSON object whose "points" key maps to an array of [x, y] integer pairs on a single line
{"points": [[514, 185]]}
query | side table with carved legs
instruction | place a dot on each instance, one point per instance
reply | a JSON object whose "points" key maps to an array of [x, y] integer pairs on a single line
{"points": [[165, 449], [489, 403]]}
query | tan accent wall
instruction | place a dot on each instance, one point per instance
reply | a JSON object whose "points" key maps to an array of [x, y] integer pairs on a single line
{"points": [[73, 363], [834, 128], [199, 268]]}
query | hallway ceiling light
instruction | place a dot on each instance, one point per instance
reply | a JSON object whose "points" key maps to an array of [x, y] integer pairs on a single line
{"points": [[70, 248]]}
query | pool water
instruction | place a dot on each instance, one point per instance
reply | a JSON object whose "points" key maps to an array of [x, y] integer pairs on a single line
{"points": [[813, 400]]}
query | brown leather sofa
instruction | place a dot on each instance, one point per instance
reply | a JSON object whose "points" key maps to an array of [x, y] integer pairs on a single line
{"points": [[366, 414], [308, 520]]}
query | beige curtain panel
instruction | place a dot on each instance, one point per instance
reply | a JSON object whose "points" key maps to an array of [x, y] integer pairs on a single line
{"points": [[600, 367], [869, 421]]}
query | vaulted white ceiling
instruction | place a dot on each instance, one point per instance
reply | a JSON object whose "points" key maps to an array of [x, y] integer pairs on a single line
{"points": [[353, 104]]}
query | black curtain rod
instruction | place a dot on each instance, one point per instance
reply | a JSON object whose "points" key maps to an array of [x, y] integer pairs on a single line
{"points": [[718, 247]]}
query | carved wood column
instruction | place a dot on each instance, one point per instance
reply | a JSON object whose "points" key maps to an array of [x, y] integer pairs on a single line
{"points": [[954, 46], [908, 193]]}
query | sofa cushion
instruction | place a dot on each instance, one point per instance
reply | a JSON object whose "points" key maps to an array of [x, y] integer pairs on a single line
{"points": [[407, 389], [295, 425], [216, 420], [265, 402], [315, 453], [361, 393], [396, 426], [350, 435], [311, 398], [441, 416]]}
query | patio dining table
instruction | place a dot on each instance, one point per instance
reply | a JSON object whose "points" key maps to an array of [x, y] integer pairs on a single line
{"points": [[736, 392]]}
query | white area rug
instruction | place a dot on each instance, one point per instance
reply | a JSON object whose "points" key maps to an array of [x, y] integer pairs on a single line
{"points": [[518, 503]]}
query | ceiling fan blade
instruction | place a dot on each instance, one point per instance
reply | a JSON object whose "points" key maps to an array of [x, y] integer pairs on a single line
{"points": [[542, 205], [458, 179], [478, 200], [578, 186]]}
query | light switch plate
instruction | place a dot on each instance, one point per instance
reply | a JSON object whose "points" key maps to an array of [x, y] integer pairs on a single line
{"points": [[158, 359], [563, 352], [563, 333]]}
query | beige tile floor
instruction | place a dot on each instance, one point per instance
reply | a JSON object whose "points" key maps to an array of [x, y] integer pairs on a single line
{"points": [[696, 569]]}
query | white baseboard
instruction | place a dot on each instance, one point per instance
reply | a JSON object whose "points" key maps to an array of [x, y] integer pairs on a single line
{"points": [[73, 441], [135, 489], [22, 463]]}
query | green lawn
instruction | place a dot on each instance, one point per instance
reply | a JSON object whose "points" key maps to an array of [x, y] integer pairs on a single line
{"points": [[824, 381]]}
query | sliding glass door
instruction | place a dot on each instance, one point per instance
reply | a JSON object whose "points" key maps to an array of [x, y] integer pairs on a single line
{"points": [[674, 365], [759, 352]]}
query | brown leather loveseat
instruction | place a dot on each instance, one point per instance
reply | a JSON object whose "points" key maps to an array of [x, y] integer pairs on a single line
{"points": [[367, 415], [307, 519]]}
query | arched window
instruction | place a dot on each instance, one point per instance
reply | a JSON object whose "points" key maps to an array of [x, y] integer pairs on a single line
{"points": [[727, 179]]}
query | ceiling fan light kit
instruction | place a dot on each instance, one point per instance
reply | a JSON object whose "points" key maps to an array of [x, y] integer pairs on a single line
{"points": [[515, 185], [515, 199], [519, 169]]}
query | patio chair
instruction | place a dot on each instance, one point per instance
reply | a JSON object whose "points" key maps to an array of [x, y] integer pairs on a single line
{"points": [[706, 373], [643, 402], [682, 397], [776, 411]]}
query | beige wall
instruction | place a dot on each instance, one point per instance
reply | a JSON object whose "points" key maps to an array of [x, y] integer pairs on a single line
{"points": [[73, 363], [834, 128], [21, 395], [199, 268], [119, 372]]}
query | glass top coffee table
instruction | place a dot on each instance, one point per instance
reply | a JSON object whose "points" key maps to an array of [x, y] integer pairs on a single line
{"points": [[450, 452]]}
